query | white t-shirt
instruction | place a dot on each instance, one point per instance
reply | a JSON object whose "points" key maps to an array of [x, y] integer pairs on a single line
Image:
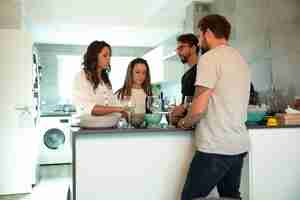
{"points": [[139, 98], [222, 130], [84, 97]]}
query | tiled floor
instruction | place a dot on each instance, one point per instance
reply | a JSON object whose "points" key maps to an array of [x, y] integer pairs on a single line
{"points": [[54, 184]]}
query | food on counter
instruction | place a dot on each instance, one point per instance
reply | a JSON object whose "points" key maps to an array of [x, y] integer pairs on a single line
{"points": [[272, 121]]}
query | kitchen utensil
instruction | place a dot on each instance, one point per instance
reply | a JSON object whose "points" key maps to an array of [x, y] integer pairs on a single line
{"points": [[105, 121]]}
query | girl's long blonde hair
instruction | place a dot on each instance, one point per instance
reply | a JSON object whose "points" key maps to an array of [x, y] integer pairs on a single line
{"points": [[127, 86]]}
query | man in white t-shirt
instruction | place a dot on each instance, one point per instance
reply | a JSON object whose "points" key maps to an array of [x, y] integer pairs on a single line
{"points": [[219, 111]]}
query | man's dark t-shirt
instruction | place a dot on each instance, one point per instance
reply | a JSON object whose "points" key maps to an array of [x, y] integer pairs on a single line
{"points": [[187, 82]]}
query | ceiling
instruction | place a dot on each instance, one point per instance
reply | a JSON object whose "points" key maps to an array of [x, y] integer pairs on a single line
{"points": [[119, 22]]}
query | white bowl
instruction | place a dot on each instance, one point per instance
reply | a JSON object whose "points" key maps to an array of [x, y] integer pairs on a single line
{"points": [[104, 121]]}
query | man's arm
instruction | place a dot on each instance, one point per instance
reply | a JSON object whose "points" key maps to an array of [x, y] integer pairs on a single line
{"points": [[198, 108], [177, 113]]}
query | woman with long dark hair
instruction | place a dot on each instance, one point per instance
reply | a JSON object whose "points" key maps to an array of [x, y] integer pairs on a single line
{"points": [[92, 91], [137, 84]]}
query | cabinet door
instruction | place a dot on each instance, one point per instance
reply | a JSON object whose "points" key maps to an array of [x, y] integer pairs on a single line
{"points": [[17, 133], [174, 69], [154, 59], [275, 164]]}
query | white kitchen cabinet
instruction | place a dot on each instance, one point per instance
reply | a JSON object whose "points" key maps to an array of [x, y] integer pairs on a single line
{"points": [[149, 164], [164, 68], [274, 164], [271, 169], [18, 136], [173, 69], [154, 59]]}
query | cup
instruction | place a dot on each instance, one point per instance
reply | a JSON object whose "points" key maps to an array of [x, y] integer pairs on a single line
{"points": [[297, 102], [187, 101], [129, 105], [153, 104], [137, 120]]}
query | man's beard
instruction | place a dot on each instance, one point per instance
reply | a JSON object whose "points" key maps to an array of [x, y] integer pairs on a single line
{"points": [[203, 50], [204, 47], [183, 59]]}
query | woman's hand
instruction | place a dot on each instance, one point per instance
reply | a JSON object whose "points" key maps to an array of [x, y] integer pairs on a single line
{"points": [[124, 114]]}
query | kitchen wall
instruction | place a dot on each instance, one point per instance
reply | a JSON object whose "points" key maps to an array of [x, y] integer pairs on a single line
{"points": [[247, 19], [285, 43], [267, 34], [251, 35], [50, 73], [11, 14], [265, 31]]}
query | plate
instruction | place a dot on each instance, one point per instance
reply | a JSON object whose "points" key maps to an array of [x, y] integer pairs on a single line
{"points": [[105, 121]]}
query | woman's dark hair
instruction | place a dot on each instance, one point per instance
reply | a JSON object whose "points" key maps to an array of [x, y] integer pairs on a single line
{"points": [[217, 24], [125, 90], [190, 39], [90, 61]]}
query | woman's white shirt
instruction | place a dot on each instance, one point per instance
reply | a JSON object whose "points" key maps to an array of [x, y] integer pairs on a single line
{"points": [[84, 97]]}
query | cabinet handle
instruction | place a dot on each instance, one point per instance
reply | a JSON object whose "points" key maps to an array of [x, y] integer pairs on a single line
{"points": [[64, 121]]}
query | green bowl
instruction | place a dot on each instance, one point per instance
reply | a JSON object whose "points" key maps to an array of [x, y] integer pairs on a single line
{"points": [[255, 116], [152, 119]]}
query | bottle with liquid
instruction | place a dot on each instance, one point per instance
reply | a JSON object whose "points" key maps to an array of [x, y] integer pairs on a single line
{"points": [[148, 102], [164, 122], [162, 102]]}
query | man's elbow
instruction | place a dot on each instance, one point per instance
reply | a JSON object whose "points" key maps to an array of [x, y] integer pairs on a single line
{"points": [[197, 117]]}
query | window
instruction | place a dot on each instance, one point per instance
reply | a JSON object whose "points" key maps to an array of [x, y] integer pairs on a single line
{"points": [[70, 65]]}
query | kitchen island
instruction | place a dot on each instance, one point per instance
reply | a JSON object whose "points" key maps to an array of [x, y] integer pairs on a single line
{"points": [[130, 163], [151, 164]]}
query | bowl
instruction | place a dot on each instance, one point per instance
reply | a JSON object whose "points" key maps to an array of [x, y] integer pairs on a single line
{"points": [[152, 119], [103, 121], [255, 116], [137, 120]]}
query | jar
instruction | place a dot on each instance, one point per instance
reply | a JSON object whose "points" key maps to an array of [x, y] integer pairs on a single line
{"points": [[297, 102]]}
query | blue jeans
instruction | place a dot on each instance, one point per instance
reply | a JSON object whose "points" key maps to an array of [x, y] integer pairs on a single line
{"points": [[209, 170]]}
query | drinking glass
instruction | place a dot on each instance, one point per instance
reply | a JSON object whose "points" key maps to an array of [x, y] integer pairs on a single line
{"points": [[129, 105], [187, 101], [169, 105], [153, 104]]}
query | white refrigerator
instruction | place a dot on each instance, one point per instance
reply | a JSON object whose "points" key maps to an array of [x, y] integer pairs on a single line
{"points": [[18, 136]]}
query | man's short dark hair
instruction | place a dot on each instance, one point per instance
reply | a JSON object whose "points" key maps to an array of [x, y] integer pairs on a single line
{"points": [[217, 24], [190, 39]]}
